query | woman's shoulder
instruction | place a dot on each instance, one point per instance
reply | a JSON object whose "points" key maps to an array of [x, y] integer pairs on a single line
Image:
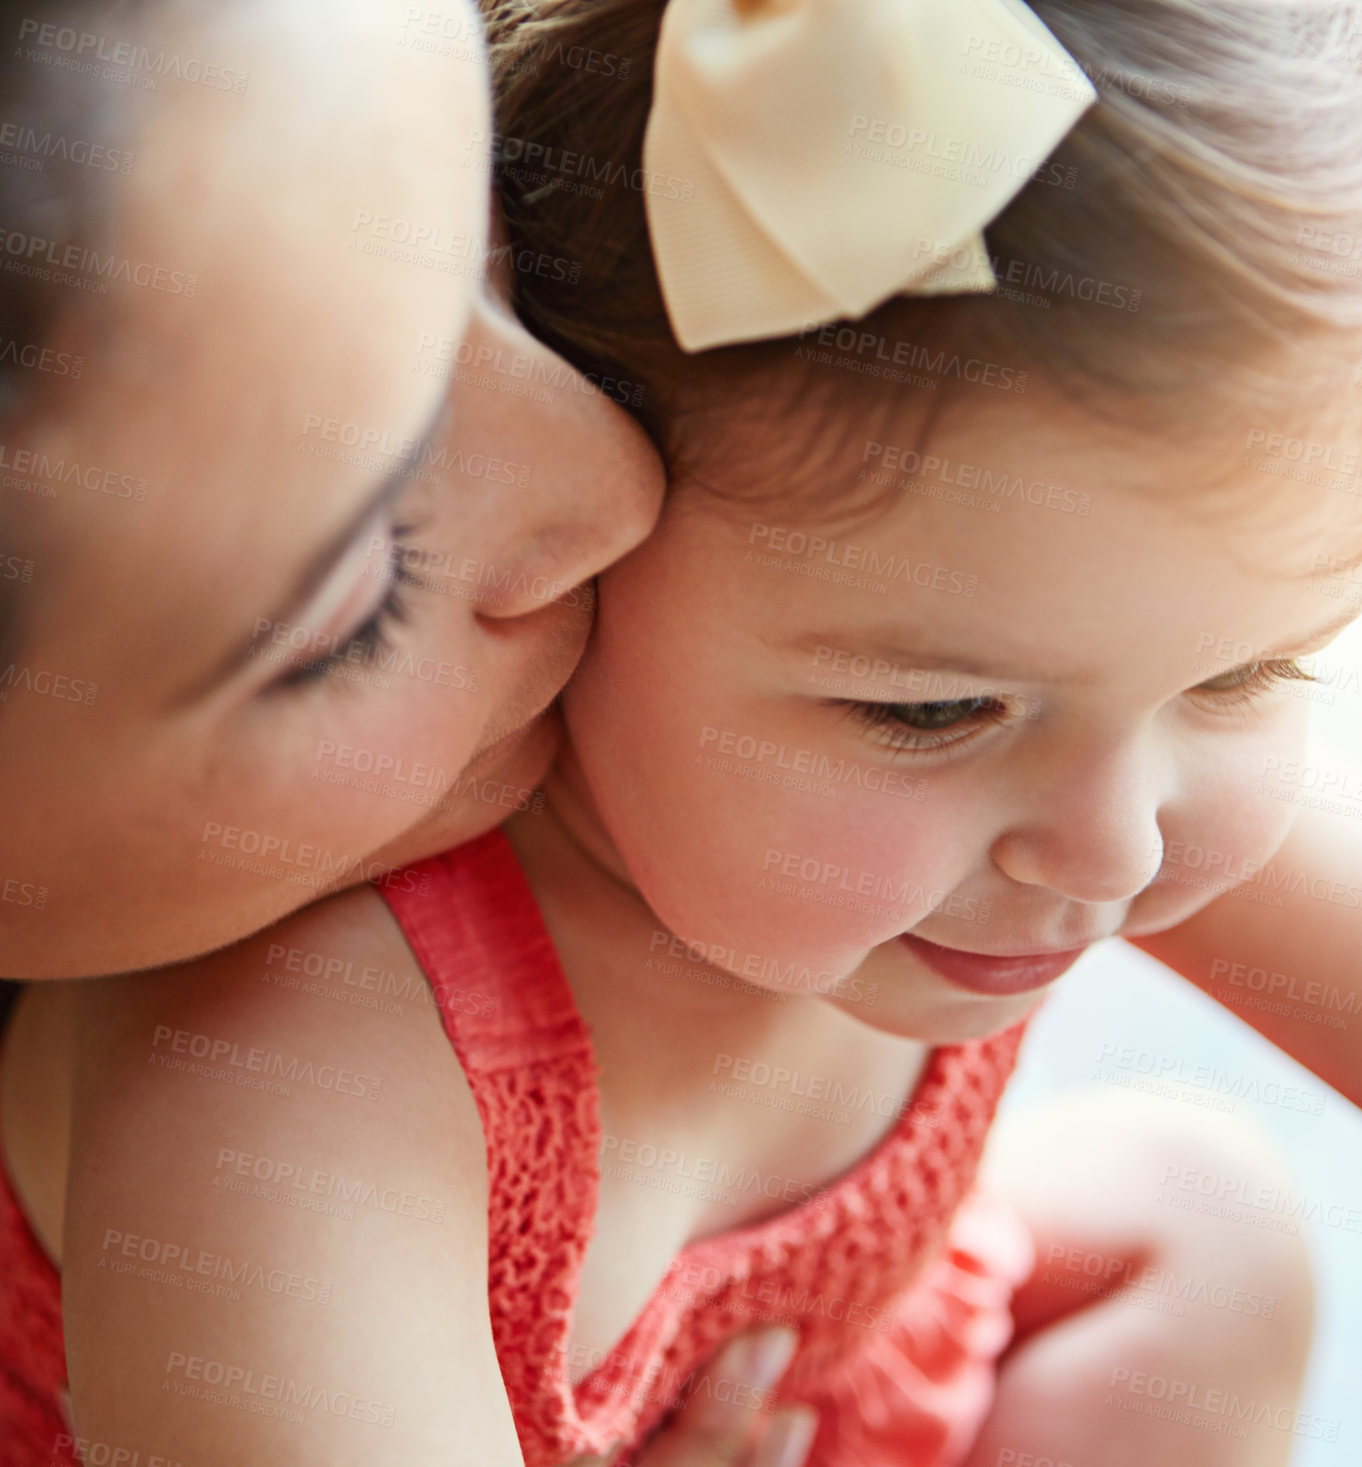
{"points": [[320, 1026], [319, 1007], [266, 1148], [328, 967]]}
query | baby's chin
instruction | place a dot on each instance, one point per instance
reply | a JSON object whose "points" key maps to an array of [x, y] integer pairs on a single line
{"points": [[500, 780]]}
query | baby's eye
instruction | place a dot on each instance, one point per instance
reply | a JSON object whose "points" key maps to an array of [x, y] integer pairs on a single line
{"points": [[926, 726], [1241, 685]]}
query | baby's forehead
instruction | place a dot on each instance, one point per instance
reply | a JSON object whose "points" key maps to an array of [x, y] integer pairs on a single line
{"points": [[1275, 485]]}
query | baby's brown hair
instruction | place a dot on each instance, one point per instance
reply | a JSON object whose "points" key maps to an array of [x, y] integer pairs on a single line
{"points": [[1208, 208]]}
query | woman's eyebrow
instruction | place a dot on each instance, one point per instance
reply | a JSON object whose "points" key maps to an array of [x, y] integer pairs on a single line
{"points": [[12, 610], [9, 624], [313, 574]]}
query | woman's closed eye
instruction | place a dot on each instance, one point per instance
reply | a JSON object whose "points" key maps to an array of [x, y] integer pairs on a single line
{"points": [[373, 635]]}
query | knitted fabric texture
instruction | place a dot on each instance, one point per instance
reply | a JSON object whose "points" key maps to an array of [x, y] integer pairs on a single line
{"points": [[33, 1429], [900, 1317]]}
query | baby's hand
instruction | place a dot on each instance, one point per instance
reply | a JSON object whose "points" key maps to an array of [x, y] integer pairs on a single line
{"points": [[709, 1432]]}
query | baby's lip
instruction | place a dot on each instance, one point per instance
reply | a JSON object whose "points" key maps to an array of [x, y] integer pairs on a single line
{"points": [[1037, 951], [996, 975]]}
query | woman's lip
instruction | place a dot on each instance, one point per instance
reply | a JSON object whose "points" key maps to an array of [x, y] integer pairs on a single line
{"points": [[995, 976]]}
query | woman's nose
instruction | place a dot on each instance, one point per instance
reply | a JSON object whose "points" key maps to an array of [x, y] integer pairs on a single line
{"points": [[587, 481], [1087, 823]]}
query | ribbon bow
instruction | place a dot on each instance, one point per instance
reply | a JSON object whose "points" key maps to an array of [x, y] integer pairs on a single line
{"points": [[807, 159]]}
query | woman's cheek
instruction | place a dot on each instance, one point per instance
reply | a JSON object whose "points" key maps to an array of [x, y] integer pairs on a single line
{"points": [[362, 764]]}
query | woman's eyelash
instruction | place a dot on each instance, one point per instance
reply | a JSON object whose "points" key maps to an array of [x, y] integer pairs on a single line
{"points": [[940, 724], [374, 635]]}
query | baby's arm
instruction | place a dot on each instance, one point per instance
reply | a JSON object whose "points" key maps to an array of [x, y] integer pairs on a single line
{"points": [[1284, 949], [219, 1313], [1129, 1294]]}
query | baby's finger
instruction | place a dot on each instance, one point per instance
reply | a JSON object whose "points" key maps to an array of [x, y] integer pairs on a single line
{"points": [[788, 1438], [725, 1423]]}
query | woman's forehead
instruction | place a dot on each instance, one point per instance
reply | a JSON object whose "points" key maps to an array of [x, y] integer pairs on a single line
{"points": [[250, 302]]}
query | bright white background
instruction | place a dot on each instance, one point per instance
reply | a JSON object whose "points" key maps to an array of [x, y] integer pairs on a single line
{"points": [[1117, 994]]}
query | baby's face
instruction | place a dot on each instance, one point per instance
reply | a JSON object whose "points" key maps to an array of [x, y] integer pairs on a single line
{"points": [[1011, 709]]}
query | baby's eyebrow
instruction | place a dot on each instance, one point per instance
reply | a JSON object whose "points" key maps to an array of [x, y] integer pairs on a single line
{"points": [[835, 651], [1313, 641], [825, 647]]}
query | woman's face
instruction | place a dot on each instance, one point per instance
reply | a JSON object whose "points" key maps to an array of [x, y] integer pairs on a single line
{"points": [[288, 571]]}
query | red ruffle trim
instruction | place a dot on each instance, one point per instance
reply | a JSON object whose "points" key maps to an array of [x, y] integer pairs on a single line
{"points": [[917, 1393]]}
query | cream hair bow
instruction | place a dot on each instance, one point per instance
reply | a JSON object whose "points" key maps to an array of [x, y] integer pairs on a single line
{"points": [[807, 159]]}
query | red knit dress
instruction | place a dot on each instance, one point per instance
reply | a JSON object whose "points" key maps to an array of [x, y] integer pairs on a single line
{"points": [[897, 1276]]}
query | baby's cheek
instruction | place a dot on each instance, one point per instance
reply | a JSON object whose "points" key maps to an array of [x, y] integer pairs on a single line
{"points": [[1280, 781], [823, 880], [1240, 809]]}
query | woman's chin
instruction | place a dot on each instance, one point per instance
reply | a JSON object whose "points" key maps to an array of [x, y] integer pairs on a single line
{"points": [[503, 779]]}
